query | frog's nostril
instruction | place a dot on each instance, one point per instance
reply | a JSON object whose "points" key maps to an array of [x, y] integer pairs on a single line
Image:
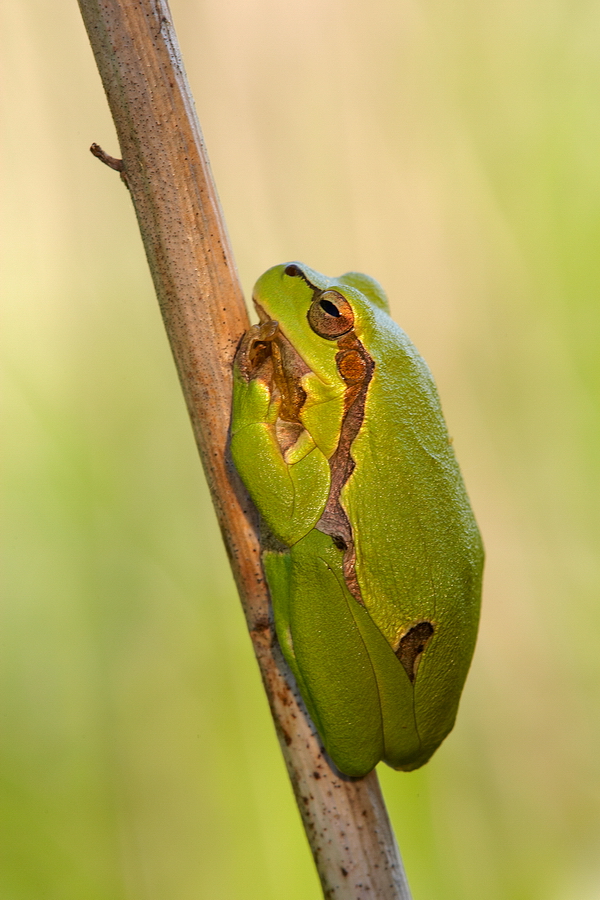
{"points": [[293, 271]]}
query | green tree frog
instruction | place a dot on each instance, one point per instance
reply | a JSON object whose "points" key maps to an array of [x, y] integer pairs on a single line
{"points": [[371, 551]]}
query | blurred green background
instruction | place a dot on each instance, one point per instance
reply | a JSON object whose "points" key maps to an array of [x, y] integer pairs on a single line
{"points": [[450, 149]]}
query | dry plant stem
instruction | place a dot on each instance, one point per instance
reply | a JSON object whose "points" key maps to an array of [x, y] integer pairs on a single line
{"points": [[167, 172]]}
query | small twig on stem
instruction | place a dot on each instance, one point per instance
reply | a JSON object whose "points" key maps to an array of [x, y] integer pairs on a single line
{"points": [[188, 252], [110, 161]]}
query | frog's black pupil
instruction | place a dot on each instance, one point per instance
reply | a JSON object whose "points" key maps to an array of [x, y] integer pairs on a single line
{"points": [[292, 270], [330, 308]]}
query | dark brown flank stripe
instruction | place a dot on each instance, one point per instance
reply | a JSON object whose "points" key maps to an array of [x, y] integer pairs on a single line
{"points": [[356, 369]]}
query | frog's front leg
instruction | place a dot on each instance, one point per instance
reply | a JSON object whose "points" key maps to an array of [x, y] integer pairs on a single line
{"points": [[285, 473]]}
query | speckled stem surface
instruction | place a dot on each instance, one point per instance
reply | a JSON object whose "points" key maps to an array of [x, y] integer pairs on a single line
{"points": [[166, 168]]}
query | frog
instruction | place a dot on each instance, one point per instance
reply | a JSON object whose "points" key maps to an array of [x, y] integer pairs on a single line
{"points": [[370, 547]]}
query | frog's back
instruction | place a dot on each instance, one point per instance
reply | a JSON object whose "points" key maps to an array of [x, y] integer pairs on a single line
{"points": [[419, 556]]}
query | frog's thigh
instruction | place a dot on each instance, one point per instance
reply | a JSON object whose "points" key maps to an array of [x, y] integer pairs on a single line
{"points": [[402, 744], [334, 661]]}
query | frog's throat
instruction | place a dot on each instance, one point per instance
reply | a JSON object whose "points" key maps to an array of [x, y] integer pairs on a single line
{"points": [[356, 368]]}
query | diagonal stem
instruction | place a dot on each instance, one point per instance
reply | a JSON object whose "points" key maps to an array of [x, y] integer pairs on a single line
{"points": [[166, 168]]}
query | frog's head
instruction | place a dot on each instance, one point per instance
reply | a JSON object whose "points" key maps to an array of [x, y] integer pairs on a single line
{"points": [[314, 311]]}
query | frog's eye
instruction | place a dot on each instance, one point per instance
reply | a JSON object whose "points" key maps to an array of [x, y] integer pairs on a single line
{"points": [[330, 315]]}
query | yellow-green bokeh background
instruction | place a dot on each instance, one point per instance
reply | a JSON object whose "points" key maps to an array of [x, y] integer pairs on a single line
{"points": [[452, 150]]}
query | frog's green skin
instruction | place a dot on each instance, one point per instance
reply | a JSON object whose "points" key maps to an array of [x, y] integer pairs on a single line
{"points": [[374, 560]]}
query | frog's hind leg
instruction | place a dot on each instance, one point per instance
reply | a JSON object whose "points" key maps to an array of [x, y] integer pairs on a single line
{"points": [[278, 569], [340, 687]]}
